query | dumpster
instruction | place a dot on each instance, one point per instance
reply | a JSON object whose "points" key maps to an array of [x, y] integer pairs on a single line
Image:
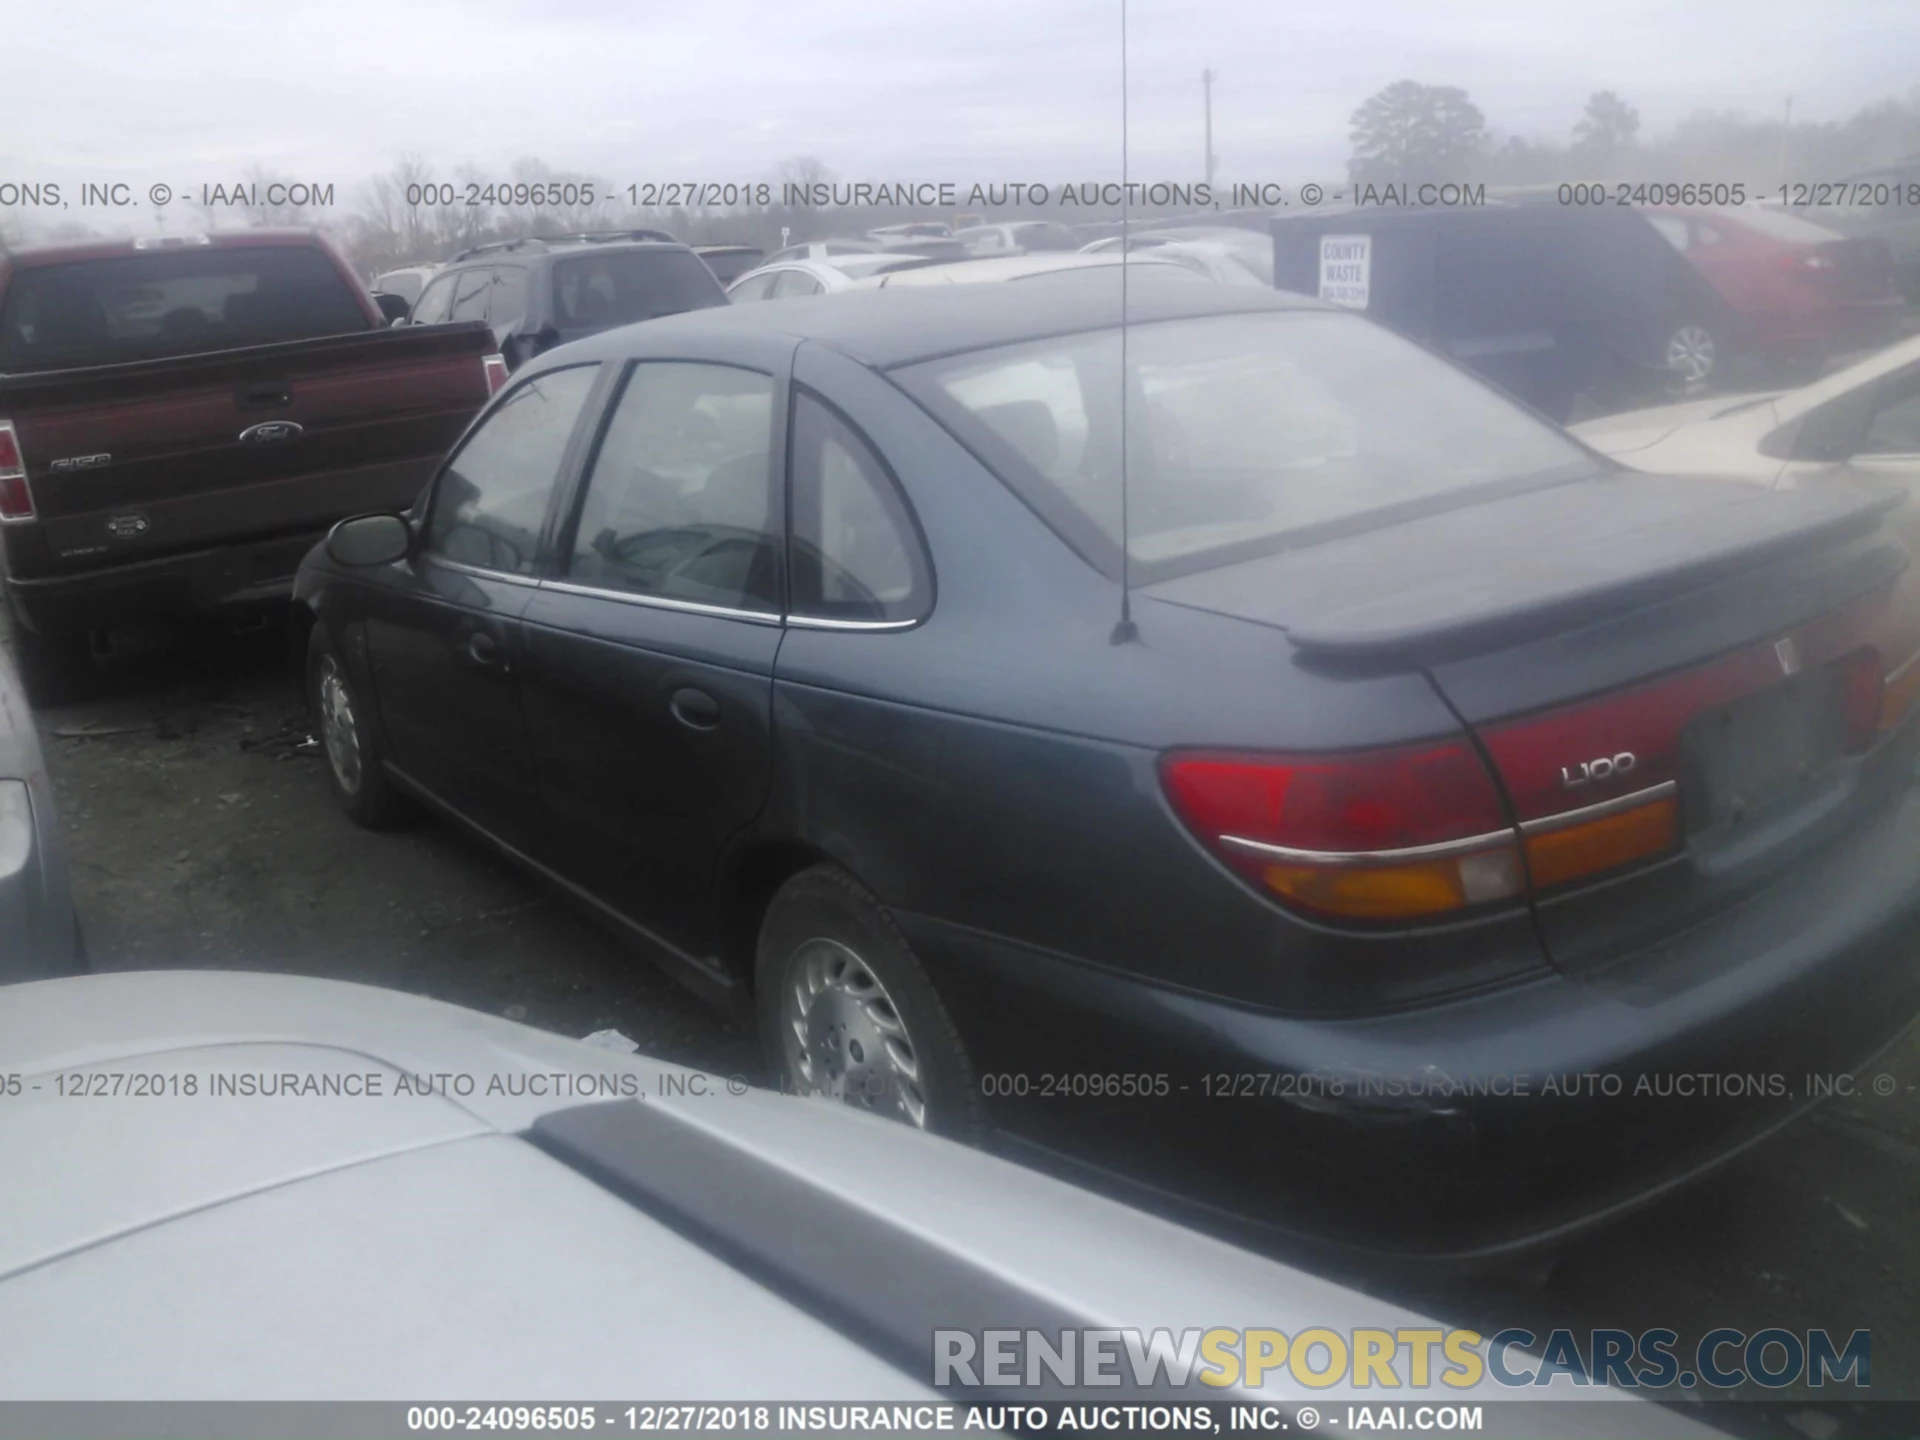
{"points": [[1548, 302]]}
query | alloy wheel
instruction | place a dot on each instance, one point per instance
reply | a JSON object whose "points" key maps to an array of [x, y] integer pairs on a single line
{"points": [[339, 727], [844, 1036], [1691, 354]]}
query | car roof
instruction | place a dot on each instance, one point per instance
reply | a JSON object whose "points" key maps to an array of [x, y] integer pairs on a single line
{"points": [[898, 325]]}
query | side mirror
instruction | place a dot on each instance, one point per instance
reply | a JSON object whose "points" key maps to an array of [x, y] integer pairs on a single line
{"points": [[394, 307], [370, 540]]}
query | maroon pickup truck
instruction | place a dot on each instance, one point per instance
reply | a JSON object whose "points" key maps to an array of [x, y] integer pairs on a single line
{"points": [[181, 418]]}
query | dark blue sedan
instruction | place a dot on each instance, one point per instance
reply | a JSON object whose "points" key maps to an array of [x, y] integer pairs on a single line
{"points": [[1237, 756]]}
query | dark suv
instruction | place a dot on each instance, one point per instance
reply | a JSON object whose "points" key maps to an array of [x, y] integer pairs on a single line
{"points": [[544, 291]]}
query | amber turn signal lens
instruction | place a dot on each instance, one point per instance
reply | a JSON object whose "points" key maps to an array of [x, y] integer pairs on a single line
{"points": [[1897, 697], [1574, 852], [1400, 892]]}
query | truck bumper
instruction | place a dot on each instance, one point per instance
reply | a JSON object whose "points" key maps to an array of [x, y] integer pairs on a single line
{"points": [[167, 587]]}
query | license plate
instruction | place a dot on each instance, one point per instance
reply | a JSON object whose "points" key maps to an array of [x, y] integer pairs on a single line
{"points": [[1760, 752]]}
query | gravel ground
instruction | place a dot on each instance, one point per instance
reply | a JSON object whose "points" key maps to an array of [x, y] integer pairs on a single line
{"points": [[201, 835]]}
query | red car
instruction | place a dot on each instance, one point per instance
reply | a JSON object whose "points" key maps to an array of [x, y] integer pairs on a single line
{"points": [[1795, 292]]}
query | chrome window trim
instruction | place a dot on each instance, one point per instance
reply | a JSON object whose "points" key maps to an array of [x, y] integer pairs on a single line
{"points": [[1492, 839], [432, 558], [822, 622], [1547, 824], [661, 602]]}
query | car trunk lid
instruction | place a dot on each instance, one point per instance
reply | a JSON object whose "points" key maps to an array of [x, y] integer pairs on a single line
{"points": [[1699, 660]]}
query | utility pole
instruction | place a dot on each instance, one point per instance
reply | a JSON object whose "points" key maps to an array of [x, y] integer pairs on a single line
{"points": [[1206, 85]]}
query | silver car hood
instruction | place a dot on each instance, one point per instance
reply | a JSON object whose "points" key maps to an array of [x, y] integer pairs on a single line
{"points": [[159, 1240]]}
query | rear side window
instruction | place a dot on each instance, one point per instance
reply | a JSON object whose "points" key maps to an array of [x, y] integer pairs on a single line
{"points": [[796, 282], [856, 554], [679, 504], [492, 497], [754, 287], [173, 302], [433, 307], [470, 300], [595, 292], [508, 307]]}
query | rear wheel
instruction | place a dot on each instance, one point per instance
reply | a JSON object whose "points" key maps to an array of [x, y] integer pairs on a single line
{"points": [[847, 1012], [347, 739], [1694, 355]]}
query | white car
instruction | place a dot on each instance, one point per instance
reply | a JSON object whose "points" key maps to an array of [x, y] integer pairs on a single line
{"points": [[1018, 237], [826, 250], [233, 1186], [785, 279], [1858, 424], [1012, 267], [406, 282]]}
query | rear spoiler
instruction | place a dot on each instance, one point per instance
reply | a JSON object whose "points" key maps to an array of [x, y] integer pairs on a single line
{"points": [[1435, 605]]}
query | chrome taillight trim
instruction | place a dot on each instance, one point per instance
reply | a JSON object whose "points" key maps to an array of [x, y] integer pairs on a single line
{"points": [[1547, 824]]}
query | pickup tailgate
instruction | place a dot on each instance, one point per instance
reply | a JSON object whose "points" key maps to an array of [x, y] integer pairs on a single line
{"points": [[1684, 688], [140, 460]]}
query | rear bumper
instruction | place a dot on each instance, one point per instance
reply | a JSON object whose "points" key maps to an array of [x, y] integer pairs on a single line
{"points": [[1484, 1125], [168, 587]]}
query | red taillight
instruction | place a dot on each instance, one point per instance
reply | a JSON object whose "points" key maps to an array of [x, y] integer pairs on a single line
{"points": [[16, 498], [495, 367], [1379, 835]]}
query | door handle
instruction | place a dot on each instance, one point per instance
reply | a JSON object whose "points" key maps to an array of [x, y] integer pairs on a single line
{"points": [[484, 651], [695, 709]]}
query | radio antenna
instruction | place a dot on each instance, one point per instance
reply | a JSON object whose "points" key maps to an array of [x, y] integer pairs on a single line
{"points": [[1125, 630]]}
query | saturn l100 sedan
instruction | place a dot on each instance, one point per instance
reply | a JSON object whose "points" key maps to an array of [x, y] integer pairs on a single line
{"points": [[1255, 764]]}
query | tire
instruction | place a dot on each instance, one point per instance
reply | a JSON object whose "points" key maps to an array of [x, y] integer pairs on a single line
{"points": [[1695, 356], [847, 1012], [348, 743]]}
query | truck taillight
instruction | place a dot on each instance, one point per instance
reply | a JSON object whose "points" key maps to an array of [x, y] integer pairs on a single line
{"points": [[495, 367], [16, 498], [1373, 835]]}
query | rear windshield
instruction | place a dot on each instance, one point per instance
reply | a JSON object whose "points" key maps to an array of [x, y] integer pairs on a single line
{"points": [[595, 292], [173, 302], [1246, 433]]}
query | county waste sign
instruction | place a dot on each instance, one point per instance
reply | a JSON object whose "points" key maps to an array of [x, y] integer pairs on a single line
{"points": [[1346, 269]]}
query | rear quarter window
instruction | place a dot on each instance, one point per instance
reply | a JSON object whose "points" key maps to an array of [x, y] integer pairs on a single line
{"points": [[176, 302]]}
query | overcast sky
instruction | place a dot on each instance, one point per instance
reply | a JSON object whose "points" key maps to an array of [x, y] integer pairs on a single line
{"points": [[634, 90]]}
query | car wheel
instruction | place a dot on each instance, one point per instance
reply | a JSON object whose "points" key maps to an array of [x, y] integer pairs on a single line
{"points": [[847, 1012], [347, 740], [1693, 355]]}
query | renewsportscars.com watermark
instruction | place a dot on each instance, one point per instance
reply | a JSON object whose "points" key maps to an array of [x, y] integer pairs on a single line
{"points": [[1320, 1357]]}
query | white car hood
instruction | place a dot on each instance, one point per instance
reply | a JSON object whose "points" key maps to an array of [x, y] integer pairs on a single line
{"points": [[1634, 430]]}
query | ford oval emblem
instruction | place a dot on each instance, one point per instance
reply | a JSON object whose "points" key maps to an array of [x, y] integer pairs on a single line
{"points": [[269, 432], [129, 526]]}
